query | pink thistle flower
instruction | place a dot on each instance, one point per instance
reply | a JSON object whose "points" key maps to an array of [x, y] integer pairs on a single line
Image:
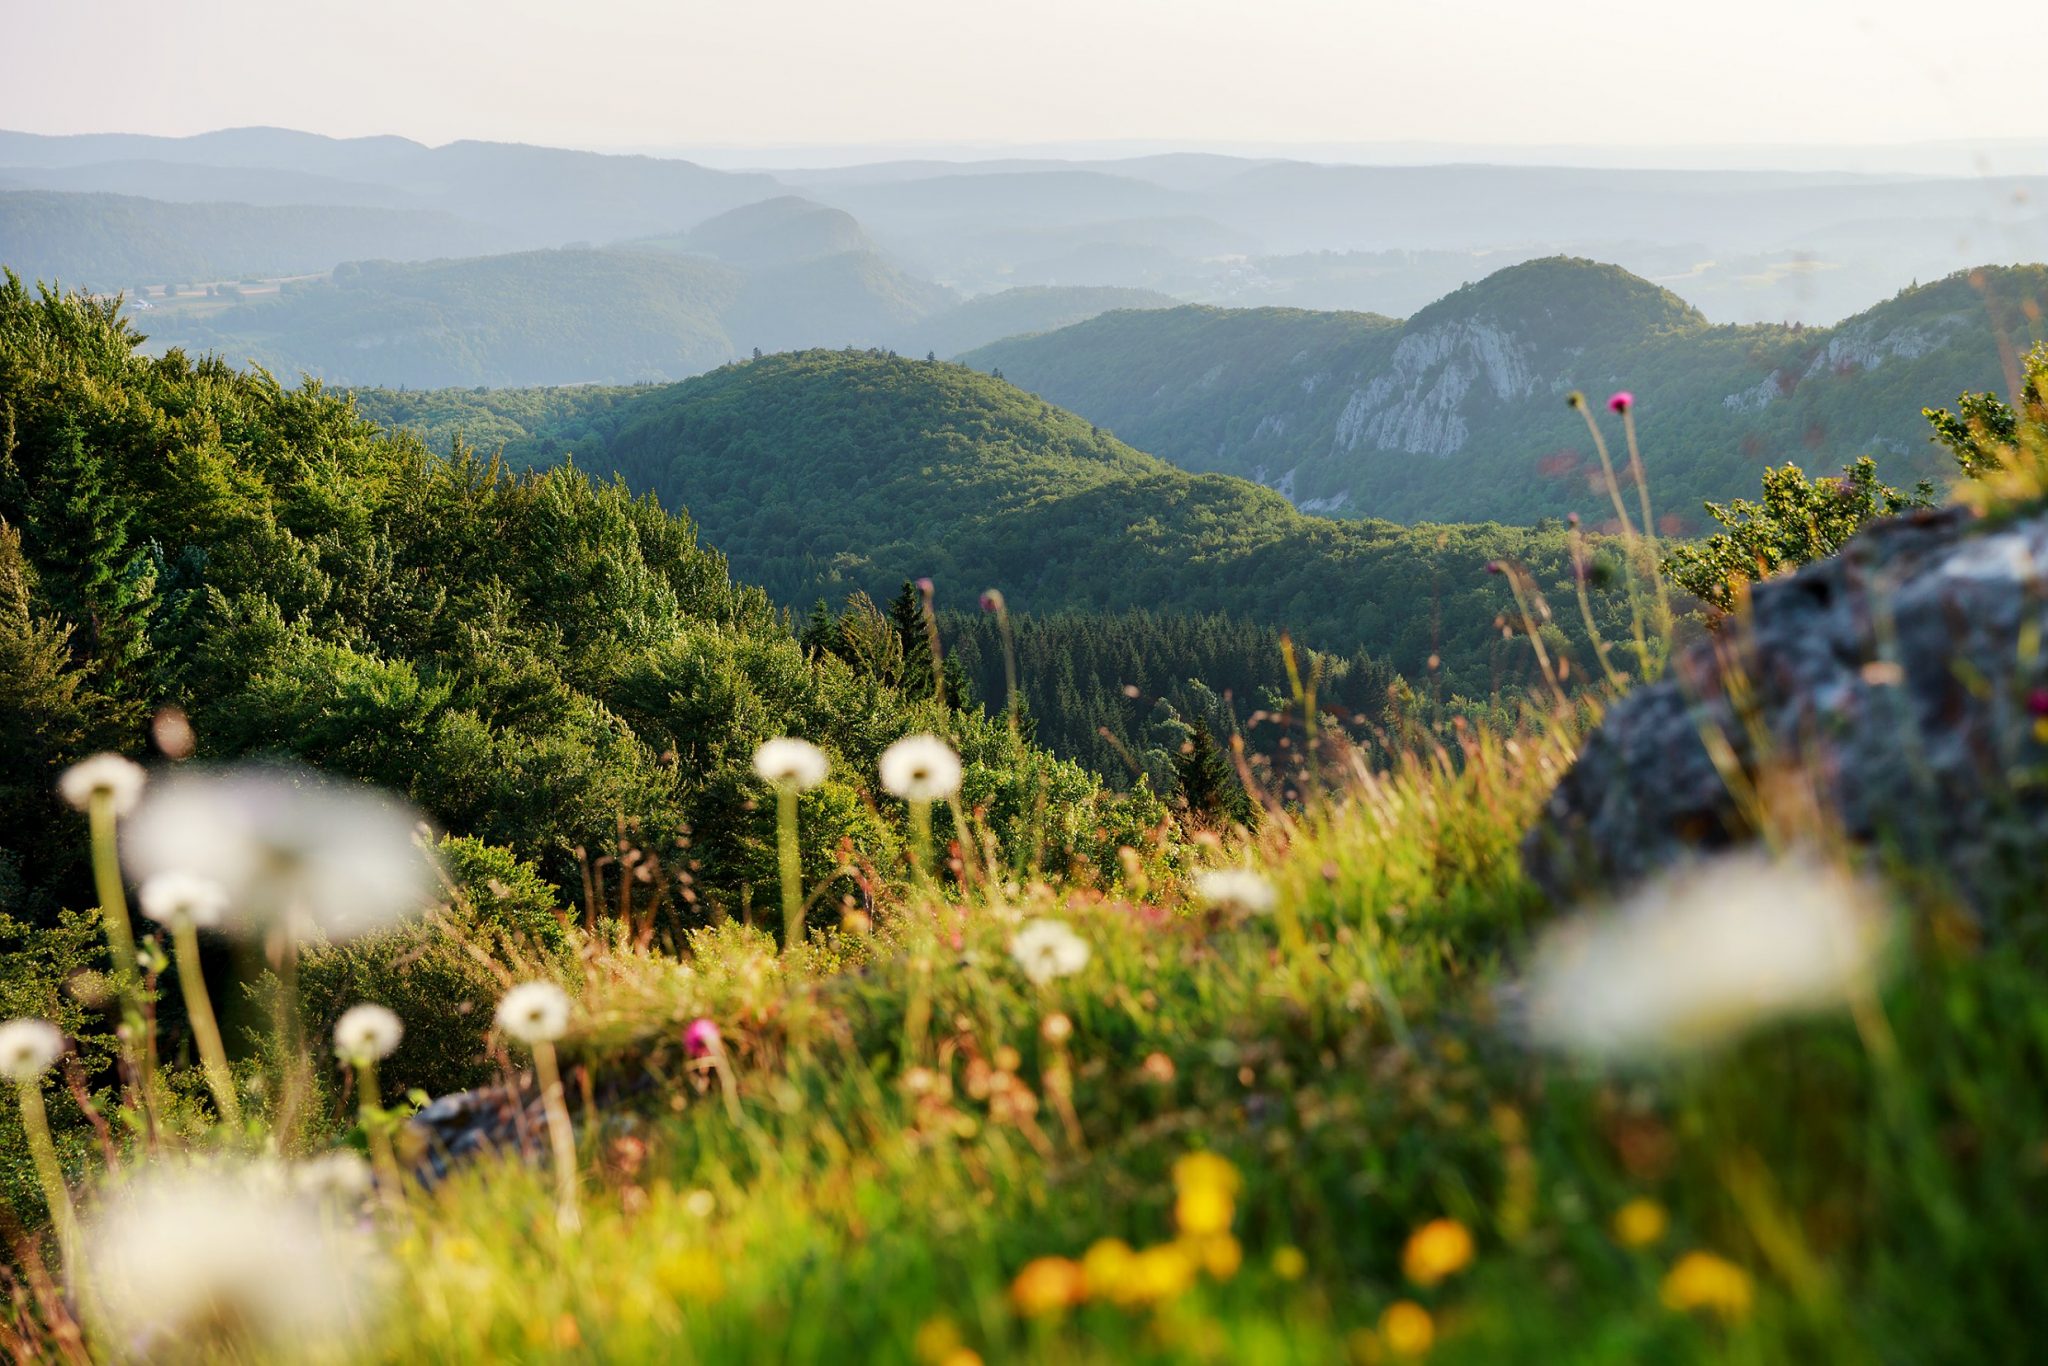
{"points": [[2037, 702], [1622, 401], [702, 1037], [992, 600], [924, 586]]}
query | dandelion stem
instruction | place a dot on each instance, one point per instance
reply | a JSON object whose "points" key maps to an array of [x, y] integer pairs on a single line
{"points": [[213, 1056], [293, 1071], [921, 841], [791, 859], [377, 1131], [35, 1121], [560, 1134], [106, 872]]}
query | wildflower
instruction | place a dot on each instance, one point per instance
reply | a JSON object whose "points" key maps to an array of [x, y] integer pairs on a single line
{"points": [[797, 765], [692, 1274], [1235, 890], [1056, 1029], [1289, 1264], [2037, 703], [341, 1176], [1407, 1329], [1700, 956], [992, 600], [103, 775], [186, 1257], [1220, 1255], [1106, 1267], [180, 899], [1440, 1248], [367, 1033], [1621, 401], [286, 847], [1047, 1284], [921, 768], [1048, 949], [1203, 1210], [29, 1048], [534, 1012], [1160, 1273], [1703, 1281], [1640, 1223], [702, 1037]]}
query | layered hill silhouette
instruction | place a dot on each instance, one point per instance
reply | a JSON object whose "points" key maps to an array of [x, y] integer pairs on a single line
{"points": [[823, 473], [1459, 412]]}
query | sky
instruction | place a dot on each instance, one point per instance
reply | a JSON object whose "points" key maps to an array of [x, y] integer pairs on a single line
{"points": [[764, 74]]}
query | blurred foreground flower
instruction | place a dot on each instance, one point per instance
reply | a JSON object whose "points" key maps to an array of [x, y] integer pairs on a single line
{"points": [[797, 765], [1236, 890], [1407, 1329], [1440, 1248], [183, 1262], [1048, 950], [1703, 1281], [921, 768], [29, 1048], [367, 1033], [118, 780], [1699, 956], [287, 847], [1048, 1284], [1640, 1223]]}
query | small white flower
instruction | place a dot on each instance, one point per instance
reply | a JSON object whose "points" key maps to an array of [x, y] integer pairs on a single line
{"points": [[534, 1012], [285, 845], [921, 768], [1237, 890], [29, 1048], [179, 898], [1703, 954], [341, 1176], [1049, 949], [119, 778], [185, 1259], [367, 1033], [795, 764]]}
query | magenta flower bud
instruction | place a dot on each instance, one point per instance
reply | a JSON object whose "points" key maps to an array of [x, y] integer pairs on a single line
{"points": [[992, 601], [701, 1037], [924, 586], [1495, 567], [2037, 702], [1622, 401]]}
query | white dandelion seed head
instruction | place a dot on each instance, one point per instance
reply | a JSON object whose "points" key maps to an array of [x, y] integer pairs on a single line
{"points": [[1236, 889], [189, 1257], [1704, 954], [367, 1033], [122, 779], [29, 1048], [921, 768], [1048, 949], [181, 899], [286, 846], [534, 1012], [797, 765], [342, 1176]]}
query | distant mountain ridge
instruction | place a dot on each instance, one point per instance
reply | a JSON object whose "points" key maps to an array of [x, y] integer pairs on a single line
{"points": [[1458, 413]]}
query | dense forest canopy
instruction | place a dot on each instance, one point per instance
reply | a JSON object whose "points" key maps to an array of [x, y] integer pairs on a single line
{"points": [[824, 473], [531, 658]]}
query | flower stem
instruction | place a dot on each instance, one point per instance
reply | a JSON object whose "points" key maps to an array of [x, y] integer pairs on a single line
{"points": [[921, 841], [294, 1078], [791, 858], [213, 1055], [377, 1132], [35, 1121], [562, 1136], [106, 873]]}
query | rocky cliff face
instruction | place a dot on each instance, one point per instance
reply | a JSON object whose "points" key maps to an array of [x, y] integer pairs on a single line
{"points": [[1903, 681]]}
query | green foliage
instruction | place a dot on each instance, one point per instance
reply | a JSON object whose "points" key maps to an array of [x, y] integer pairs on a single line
{"points": [[544, 663], [824, 473], [1797, 522], [1984, 426], [502, 891]]}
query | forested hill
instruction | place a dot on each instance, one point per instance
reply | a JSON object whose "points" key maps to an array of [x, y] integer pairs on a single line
{"points": [[1458, 413], [822, 473]]}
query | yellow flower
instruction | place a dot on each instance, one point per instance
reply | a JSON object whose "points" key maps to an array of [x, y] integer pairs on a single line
{"points": [[936, 1340], [1160, 1273], [1206, 1171], [961, 1356], [1203, 1210], [1048, 1284], [693, 1275], [1440, 1248], [1640, 1223], [1701, 1280], [1220, 1255], [1407, 1329], [1289, 1264], [1107, 1267]]}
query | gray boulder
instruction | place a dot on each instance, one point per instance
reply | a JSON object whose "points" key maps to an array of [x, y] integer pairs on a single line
{"points": [[1898, 683]]}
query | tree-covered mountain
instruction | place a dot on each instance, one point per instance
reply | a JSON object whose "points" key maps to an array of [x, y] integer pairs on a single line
{"points": [[532, 659], [1021, 312], [118, 242], [825, 473], [782, 231], [1459, 413]]}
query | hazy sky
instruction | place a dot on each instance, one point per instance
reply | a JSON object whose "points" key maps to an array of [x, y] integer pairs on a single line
{"points": [[673, 73]]}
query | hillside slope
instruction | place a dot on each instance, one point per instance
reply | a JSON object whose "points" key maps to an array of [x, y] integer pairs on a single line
{"points": [[824, 472], [1458, 413]]}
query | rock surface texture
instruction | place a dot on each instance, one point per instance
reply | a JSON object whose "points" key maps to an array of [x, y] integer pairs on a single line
{"points": [[1900, 681]]}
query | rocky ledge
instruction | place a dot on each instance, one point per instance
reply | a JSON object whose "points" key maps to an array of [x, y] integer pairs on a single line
{"points": [[1896, 686]]}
